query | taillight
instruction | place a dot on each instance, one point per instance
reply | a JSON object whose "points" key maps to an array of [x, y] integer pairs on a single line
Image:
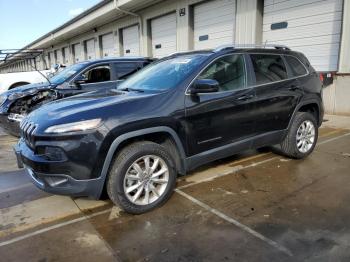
{"points": [[321, 77]]}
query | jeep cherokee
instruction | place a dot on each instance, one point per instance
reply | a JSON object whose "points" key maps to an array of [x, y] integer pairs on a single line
{"points": [[176, 114]]}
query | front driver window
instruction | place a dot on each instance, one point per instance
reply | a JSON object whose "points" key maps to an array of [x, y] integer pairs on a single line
{"points": [[97, 74], [229, 71]]}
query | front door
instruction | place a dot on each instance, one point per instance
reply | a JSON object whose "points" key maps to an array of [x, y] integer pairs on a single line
{"points": [[224, 117]]}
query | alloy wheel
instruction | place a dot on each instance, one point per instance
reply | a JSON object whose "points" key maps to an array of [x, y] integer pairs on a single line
{"points": [[146, 180], [305, 136]]}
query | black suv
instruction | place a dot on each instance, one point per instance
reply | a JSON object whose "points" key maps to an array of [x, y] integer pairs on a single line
{"points": [[100, 74], [174, 115]]}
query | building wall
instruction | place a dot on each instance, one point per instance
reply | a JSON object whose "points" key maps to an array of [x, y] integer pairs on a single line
{"points": [[247, 30]]}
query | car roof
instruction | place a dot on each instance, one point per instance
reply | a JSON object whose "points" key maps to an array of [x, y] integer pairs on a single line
{"points": [[270, 49], [119, 59]]}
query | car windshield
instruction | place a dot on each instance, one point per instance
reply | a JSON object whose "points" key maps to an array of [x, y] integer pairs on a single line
{"points": [[64, 75], [165, 74]]}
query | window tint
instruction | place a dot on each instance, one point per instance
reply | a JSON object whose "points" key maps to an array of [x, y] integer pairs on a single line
{"points": [[228, 71], [98, 74], [295, 65], [268, 68], [125, 69]]}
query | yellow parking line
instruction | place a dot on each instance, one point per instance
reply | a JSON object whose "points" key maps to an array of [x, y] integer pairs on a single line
{"points": [[331, 133], [251, 158]]}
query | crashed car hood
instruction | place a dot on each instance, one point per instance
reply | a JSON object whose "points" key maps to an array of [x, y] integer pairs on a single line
{"points": [[37, 86], [92, 102]]}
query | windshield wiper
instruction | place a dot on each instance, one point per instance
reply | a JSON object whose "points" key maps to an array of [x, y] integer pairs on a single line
{"points": [[127, 89]]}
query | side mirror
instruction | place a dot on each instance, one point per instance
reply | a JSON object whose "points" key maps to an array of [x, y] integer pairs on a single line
{"points": [[81, 79], [204, 86]]}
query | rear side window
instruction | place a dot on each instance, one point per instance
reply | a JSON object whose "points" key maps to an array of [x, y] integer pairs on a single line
{"points": [[296, 66], [125, 69], [268, 68]]}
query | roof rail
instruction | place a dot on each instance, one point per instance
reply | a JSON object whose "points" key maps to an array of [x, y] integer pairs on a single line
{"points": [[229, 46]]}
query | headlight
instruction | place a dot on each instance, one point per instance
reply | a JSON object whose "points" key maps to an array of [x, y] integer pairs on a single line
{"points": [[2, 99], [17, 95], [74, 127]]}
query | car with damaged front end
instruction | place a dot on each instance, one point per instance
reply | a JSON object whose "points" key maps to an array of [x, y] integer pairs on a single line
{"points": [[101, 74]]}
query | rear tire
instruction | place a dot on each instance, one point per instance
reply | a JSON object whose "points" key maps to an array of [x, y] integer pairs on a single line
{"points": [[142, 177], [302, 136]]}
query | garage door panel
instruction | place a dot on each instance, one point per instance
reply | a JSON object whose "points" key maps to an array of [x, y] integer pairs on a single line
{"points": [[299, 4], [213, 16], [90, 49], [314, 28], [107, 45], [77, 53], [215, 29], [214, 23], [312, 41], [294, 14], [303, 31], [131, 41], [324, 18], [163, 31], [159, 30], [210, 5]]}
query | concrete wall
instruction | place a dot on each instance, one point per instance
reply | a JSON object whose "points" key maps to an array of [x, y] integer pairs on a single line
{"points": [[336, 97]]}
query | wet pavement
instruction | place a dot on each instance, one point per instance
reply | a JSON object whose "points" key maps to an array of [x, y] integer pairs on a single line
{"points": [[256, 206]]}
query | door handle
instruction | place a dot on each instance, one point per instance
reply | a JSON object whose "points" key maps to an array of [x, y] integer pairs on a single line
{"points": [[244, 97]]}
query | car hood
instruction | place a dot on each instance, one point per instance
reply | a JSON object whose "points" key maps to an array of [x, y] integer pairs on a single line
{"points": [[36, 86], [86, 106]]}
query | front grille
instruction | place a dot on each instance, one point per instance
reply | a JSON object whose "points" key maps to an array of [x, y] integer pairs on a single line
{"points": [[27, 132]]}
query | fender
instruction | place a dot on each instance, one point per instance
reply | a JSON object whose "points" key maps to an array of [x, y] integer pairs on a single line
{"points": [[303, 103], [114, 146]]}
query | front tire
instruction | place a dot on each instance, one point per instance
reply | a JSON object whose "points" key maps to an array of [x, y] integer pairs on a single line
{"points": [[142, 177], [302, 136]]}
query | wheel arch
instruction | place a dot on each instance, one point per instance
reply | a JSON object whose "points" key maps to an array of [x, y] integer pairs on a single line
{"points": [[17, 84], [123, 140], [312, 106]]}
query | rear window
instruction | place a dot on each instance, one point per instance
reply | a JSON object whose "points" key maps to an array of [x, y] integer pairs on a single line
{"points": [[125, 69], [296, 67], [268, 68]]}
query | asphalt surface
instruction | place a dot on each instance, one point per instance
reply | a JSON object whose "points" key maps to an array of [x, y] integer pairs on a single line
{"points": [[256, 206]]}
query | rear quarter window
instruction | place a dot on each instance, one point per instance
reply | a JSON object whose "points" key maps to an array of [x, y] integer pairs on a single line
{"points": [[268, 68], [296, 67]]}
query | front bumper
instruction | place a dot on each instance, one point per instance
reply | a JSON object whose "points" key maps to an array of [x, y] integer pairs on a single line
{"points": [[61, 184], [11, 127]]}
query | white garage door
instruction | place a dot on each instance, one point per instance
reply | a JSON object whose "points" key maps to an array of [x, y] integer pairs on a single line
{"points": [[163, 35], [66, 55], [107, 45], [214, 23], [312, 27], [51, 59], [131, 41], [90, 49], [77, 53], [59, 56]]}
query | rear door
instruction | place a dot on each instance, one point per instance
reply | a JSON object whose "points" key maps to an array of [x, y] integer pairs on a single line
{"points": [[224, 117], [277, 92], [123, 70]]}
